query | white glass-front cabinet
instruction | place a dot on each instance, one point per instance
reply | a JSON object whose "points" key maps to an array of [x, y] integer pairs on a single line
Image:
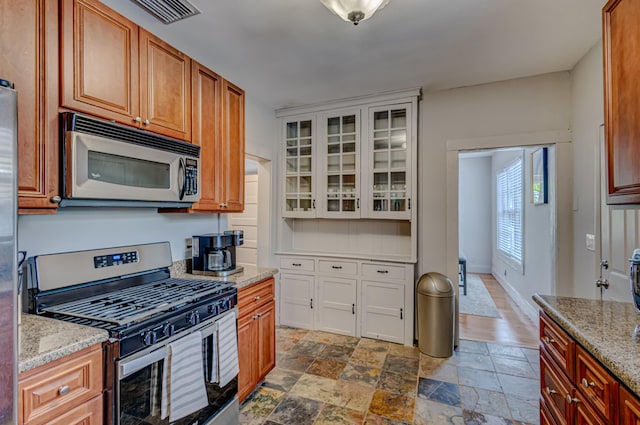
{"points": [[299, 167], [388, 179], [340, 175]]}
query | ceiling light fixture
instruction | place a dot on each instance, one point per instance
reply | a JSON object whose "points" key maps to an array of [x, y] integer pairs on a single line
{"points": [[354, 10]]}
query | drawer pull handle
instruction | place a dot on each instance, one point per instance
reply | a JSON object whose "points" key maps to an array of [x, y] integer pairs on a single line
{"points": [[255, 317], [572, 399], [311, 303], [63, 390], [337, 267], [353, 309], [550, 391], [587, 384], [296, 264], [549, 340], [257, 298], [383, 271]]}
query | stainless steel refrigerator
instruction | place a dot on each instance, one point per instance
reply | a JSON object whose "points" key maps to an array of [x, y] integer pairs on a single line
{"points": [[8, 254]]}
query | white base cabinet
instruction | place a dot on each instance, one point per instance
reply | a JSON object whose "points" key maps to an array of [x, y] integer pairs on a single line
{"points": [[348, 296]]}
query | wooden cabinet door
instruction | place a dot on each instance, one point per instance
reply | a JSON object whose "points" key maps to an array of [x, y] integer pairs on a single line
{"points": [[165, 88], [629, 409], [29, 59], [99, 62], [622, 99], [207, 133], [337, 305], [247, 359], [233, 146], [266, 329]]}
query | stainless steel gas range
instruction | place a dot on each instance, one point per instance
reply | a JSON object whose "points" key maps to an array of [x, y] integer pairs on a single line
{"points": [[172, 356]]}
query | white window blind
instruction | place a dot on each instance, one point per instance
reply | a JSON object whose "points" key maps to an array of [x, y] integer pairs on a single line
{"points": [[509, 211]]}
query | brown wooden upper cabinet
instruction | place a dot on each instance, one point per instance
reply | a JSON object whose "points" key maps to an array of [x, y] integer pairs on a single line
{"points": [[29, 59], [113, 69], [218, 128], [622, 100]]}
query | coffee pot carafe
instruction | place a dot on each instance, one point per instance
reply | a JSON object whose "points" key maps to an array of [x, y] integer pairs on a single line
{"points": [[219, 259]]}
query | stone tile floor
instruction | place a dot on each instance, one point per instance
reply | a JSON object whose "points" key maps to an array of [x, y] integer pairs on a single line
{"points": [[322, 378]]}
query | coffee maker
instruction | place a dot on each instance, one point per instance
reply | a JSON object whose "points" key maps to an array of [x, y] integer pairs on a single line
{"points": [[214, 254]]}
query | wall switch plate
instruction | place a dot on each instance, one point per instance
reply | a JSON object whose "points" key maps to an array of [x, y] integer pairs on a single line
{"points": [[591, 242]]}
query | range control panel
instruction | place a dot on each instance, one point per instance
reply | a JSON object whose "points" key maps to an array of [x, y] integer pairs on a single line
{"points": [[101, 261]]}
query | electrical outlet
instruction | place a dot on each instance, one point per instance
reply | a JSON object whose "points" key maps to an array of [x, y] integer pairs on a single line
{"points": [[591, 242]]}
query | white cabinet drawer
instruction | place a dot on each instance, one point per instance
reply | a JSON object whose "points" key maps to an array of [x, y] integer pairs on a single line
{"points": [[294, 263], [339, 267], [383, 270]]}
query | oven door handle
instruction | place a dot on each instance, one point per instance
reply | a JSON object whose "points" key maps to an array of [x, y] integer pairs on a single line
{"points": [[127, 367]]}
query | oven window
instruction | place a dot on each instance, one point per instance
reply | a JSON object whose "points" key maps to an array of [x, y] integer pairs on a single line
{"points": [[126, 171], [141, 395]]}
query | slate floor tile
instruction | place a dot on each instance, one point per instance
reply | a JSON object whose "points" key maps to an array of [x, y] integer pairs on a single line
{"points": [[506, 351], [296, 410], [479, 379], [392, 406], [326, 368], [335, 415], [513, 366], [429, 412], [484, 401], [403, 365], [440, 391]]}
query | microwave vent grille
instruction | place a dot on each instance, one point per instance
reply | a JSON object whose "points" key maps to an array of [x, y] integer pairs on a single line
{"points": [[168, 11], [119, 133]]}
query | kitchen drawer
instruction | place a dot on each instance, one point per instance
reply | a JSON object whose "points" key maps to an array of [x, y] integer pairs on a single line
{"points": [[557, 344], [596, 384], [383, 270], [339, 267], [545, 416], [51, 390], [554, 389], [255, 295], [89, 413], [294, 263]]}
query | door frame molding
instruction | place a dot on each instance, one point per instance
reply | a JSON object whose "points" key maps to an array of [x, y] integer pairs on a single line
{"points": [[562, 214]]}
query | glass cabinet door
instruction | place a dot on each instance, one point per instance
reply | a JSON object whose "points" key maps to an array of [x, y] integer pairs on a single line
{"points": [[390, 165], [341, 164], [299, 167]]}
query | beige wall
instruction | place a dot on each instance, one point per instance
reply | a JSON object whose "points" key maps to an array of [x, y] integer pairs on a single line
{"points": [[527, 105]]}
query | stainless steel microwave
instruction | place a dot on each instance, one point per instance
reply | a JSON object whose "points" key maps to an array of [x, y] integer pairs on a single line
{"points": [[107, 164]]}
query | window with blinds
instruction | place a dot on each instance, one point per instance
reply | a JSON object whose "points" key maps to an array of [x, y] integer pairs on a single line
{"points": [[509, 212]]}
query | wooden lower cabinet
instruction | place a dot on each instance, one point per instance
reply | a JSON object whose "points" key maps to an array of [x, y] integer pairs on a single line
{"points": [[66, 391], [577, 389], [256, 335]]}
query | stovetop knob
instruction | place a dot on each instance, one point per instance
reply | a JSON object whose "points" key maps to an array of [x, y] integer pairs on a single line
{"points": [[193, 318], [168, 329], [149, 337], [213, 309]]}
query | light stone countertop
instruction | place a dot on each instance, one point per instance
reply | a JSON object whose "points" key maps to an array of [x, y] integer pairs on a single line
{"points": [[247, 277], [42, 340], [609, 330]]}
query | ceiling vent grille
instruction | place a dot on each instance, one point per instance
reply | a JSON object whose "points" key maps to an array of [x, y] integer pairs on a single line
{"points": [[168, 11]]}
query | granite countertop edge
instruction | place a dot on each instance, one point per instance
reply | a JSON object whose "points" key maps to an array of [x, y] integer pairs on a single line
{"points": [[247, 277], [38, 332], [617, 368]]}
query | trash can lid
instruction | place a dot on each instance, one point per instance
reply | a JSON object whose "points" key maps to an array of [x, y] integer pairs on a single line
{"points": [[435, 284]]}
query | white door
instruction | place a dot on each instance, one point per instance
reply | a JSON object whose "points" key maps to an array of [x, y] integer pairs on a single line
{"points": [[337, 305], [247, 221], [296, 300], [383, 311], [619, 235]]}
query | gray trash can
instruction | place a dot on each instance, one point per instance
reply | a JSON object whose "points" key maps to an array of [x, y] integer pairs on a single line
{"points": [[435, 315]]}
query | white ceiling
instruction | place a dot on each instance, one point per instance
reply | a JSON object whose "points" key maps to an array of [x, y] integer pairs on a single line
{"points": [[293, 52]]}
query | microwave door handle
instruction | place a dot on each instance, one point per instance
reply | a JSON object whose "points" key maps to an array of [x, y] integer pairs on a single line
{"points": [[182, 178]]}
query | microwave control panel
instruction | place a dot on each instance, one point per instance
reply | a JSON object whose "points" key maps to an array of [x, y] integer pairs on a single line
{"points": [[101, 261], [191, 177]]}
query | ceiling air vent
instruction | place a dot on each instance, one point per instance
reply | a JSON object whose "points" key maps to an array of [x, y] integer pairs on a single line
{"points": [[168, 11]]}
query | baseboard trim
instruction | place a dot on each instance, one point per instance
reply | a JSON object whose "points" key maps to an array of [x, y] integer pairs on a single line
{"points": [[529, 310]]}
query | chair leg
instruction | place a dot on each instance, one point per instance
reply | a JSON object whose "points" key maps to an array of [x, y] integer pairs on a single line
{"points": [[464, 276]]}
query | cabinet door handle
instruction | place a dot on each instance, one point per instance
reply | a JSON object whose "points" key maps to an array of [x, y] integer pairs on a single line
{"points": [[358, 203], [571, 400], [56, 199], [296, 264], [311, 303], [313, 204], [137, 119], [409, 204], [550, 391], [63, 390], [587, 384], [549, 340], [401, 311], [353, 309], [383, 271], [146, 122], [254, 317], [257, 298], [336, 267]]}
